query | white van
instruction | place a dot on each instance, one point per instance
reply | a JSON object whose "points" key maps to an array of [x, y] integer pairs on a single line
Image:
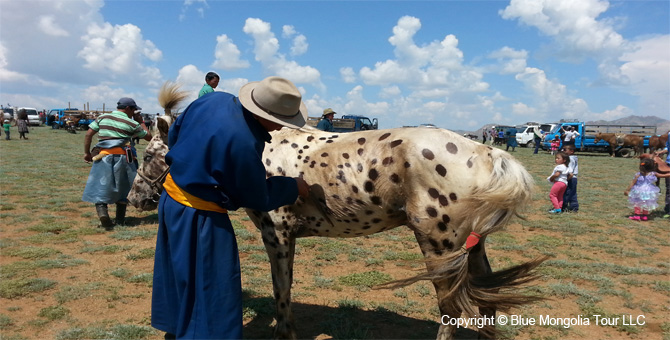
{"points": [[33, 116], [527, 135]]}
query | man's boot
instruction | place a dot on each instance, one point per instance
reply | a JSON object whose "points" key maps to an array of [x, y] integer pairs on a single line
{"points": [[121, 213], [103, 214]]}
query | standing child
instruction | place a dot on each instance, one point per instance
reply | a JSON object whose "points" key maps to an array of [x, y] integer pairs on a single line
{"points": [[570, 202], [555, 143], [560, 179], [642, 192], [6, 127]]}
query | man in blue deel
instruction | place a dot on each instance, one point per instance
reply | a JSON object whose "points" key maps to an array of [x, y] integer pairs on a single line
{"points": [[215, 167]]}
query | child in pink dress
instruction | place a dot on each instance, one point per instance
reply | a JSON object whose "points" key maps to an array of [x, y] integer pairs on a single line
{"points": [[555, 144], [642, 192], [559, 178]]}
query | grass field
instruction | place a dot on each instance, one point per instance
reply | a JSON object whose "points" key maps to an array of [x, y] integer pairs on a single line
{"points": [[61, 277]]}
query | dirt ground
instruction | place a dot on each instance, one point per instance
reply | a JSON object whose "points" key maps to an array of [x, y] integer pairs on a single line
{"points": [[316, 309], [103, 279]]}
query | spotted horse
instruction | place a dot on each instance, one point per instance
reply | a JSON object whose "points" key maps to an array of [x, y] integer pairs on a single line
{"points": [[450, 191]]}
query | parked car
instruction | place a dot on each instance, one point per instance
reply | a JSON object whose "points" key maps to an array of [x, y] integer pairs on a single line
{"points": [[33, 116], [8, 113]]}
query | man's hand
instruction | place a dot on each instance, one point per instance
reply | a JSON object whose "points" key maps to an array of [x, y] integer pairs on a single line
{"points": [[303, 187], [138, 118], [88, 158]]}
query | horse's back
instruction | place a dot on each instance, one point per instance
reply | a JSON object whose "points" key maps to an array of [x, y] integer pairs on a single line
{"points": [[375, 180]]}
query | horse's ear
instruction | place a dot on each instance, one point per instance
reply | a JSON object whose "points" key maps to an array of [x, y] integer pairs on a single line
{"points": [[163, 125]]}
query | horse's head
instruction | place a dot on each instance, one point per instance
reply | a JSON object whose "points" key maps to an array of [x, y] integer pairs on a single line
{"points": [[148, 184], [598, 138]]}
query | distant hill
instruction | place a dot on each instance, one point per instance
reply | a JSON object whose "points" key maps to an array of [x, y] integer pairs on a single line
{"points": [[662, 125], [633, 120]]}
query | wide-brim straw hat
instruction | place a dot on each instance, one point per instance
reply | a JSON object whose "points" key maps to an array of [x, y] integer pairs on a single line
{"points": [[328, 111], [275, 99]]}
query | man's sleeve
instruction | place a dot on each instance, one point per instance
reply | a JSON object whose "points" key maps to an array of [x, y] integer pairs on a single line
{"points": [[247, 186]]}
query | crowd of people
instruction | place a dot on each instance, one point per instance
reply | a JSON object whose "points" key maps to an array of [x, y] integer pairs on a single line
{"points": [[21, 125]]}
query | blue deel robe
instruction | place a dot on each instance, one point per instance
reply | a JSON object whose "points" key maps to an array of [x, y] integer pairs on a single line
{"points": [[511, 138], [215, 154]]}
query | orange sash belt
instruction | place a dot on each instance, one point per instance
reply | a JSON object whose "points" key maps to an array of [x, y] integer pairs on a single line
{"points": [[113, 151], [178, 194]]}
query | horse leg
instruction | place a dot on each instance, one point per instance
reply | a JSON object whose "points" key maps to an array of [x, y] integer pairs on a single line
{"points": [[432, 251], [280, 246]]}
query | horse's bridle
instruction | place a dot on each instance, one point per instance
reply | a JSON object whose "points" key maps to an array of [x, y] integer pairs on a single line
{"points": [[156, 185]]}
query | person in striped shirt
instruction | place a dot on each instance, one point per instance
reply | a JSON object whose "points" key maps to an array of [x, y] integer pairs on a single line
{"points": [[114, 168]]}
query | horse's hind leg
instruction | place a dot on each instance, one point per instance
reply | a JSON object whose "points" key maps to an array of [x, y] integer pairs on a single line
{"points": [[280, 246], [433, 251]]}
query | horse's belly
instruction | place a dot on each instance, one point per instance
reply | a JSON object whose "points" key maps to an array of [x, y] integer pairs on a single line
{"points": [[363, 223]]}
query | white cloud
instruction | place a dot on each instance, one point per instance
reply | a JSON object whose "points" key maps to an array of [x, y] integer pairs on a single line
{"points": [[266, 50], [288, 31], [433, 69], [640, 67], [228, 55], [118, 50], [30, 28], [192, 79], [510, 61], [648, 68], [48, 25], [266, 44], [104, 93], [232, 85], [299, 46], [572, 23], [8, 75], [356, 104], [619, 112], [201, 5], [522, 109], [390, 92], [550, 98], [347, 74]]}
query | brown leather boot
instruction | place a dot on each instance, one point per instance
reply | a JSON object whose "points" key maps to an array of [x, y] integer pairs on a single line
{"points": [[103, 214]]}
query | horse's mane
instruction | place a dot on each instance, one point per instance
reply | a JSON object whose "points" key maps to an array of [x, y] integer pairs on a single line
{"points": [[170, 95]]}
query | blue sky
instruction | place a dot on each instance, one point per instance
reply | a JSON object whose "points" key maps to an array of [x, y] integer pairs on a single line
{"points": [[456, 64]]}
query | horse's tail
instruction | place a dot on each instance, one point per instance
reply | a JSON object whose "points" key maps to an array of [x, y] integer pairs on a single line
{"points": [[170, 96], [491, 206]]}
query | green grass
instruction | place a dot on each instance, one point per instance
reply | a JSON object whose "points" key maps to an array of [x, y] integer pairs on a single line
{"points": [[146, 253], [366, 279], [116, 332], [10, 289], [71, 293], [54, 312], [31, 252], [51, 249]]}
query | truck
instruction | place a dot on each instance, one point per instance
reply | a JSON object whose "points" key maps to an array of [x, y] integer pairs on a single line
{"points": [[526, 137], [348, 123], [587, 134]]}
